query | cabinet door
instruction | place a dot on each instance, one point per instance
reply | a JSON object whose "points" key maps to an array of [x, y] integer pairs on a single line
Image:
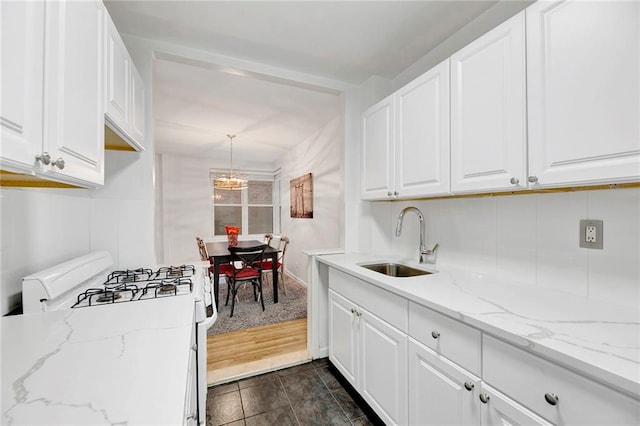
{"points": [[191, 398], [22, 49], [583, 92], [501, 410], [74, 107], [378, 151], [422, 135], [383, 368], [440, 392], [118, 90], [343, 336], [488, 111], [137, 110]]}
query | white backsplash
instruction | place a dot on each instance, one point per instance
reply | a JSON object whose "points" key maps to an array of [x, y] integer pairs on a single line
{"points": [[531, 239]]}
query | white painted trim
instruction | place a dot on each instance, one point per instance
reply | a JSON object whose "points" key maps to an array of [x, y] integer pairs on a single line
{"points": [[317, 330]]}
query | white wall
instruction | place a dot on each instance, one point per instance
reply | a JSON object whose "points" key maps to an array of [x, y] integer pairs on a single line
{"points": [[185, 206], [40, 227], [322, 156], [529, 239]]}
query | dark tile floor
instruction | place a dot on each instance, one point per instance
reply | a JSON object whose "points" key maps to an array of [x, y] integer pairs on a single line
{"points": [[309, 394]]}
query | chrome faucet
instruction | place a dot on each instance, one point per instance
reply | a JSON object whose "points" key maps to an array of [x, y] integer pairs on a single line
{"points": [[426, 255]]}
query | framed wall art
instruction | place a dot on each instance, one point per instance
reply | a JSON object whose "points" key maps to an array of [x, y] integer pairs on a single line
{"points": [[301, 190]]}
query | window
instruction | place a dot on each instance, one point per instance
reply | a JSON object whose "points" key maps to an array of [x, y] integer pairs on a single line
{"points": [[251, 209]]}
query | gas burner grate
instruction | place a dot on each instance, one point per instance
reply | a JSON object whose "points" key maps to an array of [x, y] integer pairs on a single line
{"points": [[166, 287], [175, 271], [102, 296], [116, 278]]}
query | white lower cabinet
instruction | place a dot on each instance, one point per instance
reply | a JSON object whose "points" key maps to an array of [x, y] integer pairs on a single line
{"points": [[343, 339], [552, 391], [440, 392], [372, 355], [416, 366], [383, 367], [498, 409]]}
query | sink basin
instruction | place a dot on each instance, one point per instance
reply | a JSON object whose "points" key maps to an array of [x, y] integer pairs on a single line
{"points": [[396, 269]]}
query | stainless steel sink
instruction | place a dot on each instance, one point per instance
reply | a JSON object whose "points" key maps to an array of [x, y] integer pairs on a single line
{"points": [[396, 270]]}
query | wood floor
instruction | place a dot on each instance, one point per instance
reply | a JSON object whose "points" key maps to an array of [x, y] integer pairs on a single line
{"points": [[243, 353]]}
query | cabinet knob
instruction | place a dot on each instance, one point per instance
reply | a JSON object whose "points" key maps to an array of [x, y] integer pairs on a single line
{"points": [[389, 194], [514, 181], [435, 334], [533, 179], [551, 398], [353, 311], [59, 163], [44, 158], [469, 386], [395, 194], [484, 398]]}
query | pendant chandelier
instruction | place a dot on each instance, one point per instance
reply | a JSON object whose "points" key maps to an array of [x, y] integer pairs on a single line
{"points": [[230, 181]]}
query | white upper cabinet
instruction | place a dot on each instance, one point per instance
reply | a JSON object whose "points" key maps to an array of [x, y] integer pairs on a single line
{"points": [[378, 151], [118, 79], [583, 92], [73, 90], [406, 140], [52, 99], [124, 100], [488, 115], [422, 135], [22, 58], [137, 109]]}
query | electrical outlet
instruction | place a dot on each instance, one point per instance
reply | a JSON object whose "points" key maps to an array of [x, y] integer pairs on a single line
{"points": [[591, 234]]}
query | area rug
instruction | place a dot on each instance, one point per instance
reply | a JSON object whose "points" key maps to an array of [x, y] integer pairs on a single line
{"points": [[248, 313]]}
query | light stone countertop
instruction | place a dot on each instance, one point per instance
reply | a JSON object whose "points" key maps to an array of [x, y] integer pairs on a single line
{"points": [[116, 364], [597, 339]]}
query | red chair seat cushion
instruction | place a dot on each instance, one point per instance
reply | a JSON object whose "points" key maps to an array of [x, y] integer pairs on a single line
{"points": [[225, 269], [245, 273], [268, 264]]}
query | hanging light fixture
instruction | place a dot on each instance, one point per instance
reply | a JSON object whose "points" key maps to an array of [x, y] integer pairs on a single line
{"points": [[231, 180]]}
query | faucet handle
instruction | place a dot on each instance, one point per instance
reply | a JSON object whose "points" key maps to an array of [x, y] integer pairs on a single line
{"points": [[429, 255]]}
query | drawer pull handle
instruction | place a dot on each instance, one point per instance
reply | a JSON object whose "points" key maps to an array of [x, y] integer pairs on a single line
{"points": [[551, 398], [484, 398], [469, 386], [435, 334]]}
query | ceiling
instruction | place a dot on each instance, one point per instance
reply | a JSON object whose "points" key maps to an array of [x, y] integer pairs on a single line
{"points": [[196, 106]]}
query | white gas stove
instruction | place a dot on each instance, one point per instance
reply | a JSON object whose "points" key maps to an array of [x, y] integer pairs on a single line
{"points": [[90, 281]]}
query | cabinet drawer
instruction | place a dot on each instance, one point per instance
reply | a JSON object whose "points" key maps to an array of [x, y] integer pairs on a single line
{"points": [[450, 338], [386, 305], [530, 380]]}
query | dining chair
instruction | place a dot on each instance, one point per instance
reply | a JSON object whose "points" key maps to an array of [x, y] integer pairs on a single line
{"points": [[280, 243], [250, 259], [204, 256]]}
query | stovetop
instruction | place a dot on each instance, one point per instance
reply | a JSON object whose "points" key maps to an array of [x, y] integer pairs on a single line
{"points": [[139, 284]]}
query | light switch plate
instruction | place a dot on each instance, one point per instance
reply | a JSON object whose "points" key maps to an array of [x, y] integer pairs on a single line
{"points": [[591, 234]]}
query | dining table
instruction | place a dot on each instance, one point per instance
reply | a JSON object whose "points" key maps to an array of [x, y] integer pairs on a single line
{"points": [[219, 255]]}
